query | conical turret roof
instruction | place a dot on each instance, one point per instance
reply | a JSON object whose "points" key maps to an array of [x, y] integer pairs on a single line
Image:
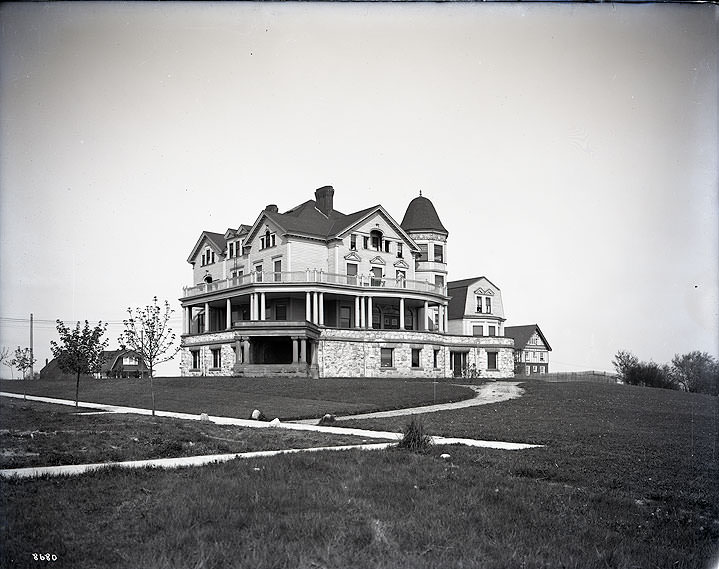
{"points": [[421, 216]]}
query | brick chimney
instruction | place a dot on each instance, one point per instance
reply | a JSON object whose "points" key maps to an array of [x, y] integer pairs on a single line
{"points": [[323, 199], [272, 207]]}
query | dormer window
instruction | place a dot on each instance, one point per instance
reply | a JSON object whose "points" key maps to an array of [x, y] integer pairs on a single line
{"points": [[399, 250], [353, 242], [376, 239], [267, 240], [488, 304], [438, 254], [479, 305]]}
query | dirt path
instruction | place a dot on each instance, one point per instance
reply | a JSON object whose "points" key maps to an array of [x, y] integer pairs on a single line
{"points": [[495, 392]]}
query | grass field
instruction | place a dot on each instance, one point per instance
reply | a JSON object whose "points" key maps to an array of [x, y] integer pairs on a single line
{"points": [[233, 397], [39, 434], [629, 478]]}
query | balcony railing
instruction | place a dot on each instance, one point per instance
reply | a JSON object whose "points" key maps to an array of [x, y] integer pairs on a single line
{"points": [[313, 276]]}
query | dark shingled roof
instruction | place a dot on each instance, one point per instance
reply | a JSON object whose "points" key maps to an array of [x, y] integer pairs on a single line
{"points": [[421, 216], [457, 290], [522, 334]]}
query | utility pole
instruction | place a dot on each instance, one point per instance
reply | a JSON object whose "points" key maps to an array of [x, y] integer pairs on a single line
{"points": [[32, 372]]}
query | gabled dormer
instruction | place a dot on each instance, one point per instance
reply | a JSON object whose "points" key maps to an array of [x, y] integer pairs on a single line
{"points": [[207, 257]]}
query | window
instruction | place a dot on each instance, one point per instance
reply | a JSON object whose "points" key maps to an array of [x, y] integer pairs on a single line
{"points": [[541, 356], [281, 312], [203, 263], [526, 370], [542, 369], [534, 369], [386, 355], [345, 317], [195, 359], [439, 281], [216, 358], [401, 276], [491, 360], [415, 357], [267, 240], [376, 237], [258, 270], [352, 273], [423, 252], [439, 254], [488, 304], [278, 270], [376, 276], [477, 330], [435, 358], [399, 250], [365, 241], [386, 246], [492, 331], [353, 242], [129, 361]]}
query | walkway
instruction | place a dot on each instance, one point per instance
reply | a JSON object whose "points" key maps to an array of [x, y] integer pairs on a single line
{"points": [[484, 394], [276, 424]]}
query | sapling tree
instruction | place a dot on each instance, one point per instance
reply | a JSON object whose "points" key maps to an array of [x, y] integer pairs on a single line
{"points": [[80, 350], [147, 332], [6, 359], [22, 361]]}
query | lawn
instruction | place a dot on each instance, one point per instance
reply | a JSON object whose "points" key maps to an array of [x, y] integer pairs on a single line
{"points": [[40, 434], [628, 479], [238, 397]]}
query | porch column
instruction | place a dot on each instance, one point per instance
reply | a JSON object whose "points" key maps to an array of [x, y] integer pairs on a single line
{"points": [[401, 313], [424, 315], [207, 317], [229, 315], [245, 350], [362, 312], [262, 306], [252, 306], [303, 350], [295, 350], [357, 312], [238, 351], [369, 313], [308, 307], [315, 309], [322, 309], [187, 319], [446, 317], [440, 317]]}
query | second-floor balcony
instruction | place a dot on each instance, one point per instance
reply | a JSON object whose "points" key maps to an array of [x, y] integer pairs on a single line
{"points": [[313, 277]]}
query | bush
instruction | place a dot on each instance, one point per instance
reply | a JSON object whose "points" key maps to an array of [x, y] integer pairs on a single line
{"points": [[649, 374], [414, 438]]}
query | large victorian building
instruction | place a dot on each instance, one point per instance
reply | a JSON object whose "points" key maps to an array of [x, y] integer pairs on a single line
{"points": [[314, 292]]}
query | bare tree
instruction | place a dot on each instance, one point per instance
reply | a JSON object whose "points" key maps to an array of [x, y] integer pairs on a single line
{"points": [[6, 359], [22, 361], [147, 332], [80, 350]]}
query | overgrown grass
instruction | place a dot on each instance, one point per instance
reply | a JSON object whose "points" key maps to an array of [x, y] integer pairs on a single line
{"points": [[238, 397], [628, 478], [38, 434]]}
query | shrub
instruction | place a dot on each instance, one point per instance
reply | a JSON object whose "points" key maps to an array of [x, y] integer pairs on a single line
{"points": [[414, 437]]}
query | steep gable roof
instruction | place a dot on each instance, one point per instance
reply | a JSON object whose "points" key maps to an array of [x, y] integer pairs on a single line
{"points": [[308, 221], [522, 334], [216, 240]]}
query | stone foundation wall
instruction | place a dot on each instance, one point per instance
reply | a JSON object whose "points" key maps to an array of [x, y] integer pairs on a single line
{"points": [[357, 353], [205, 343]]}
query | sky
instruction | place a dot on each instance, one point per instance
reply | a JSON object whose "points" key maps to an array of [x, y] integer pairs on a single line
{"points": [[569, 149]]}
